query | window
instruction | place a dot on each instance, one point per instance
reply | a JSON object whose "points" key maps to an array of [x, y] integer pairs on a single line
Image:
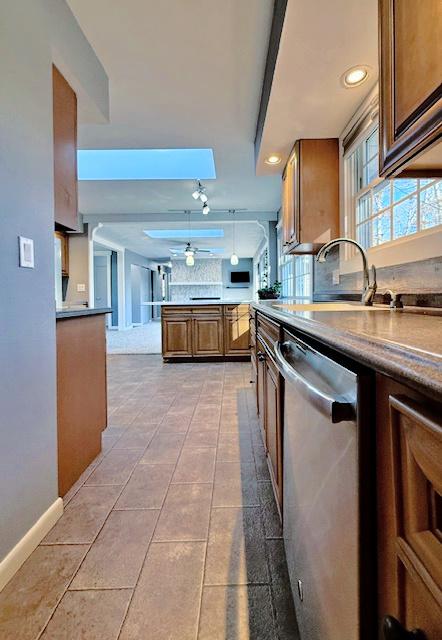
{"points": [[385, 210], [295, 274]]}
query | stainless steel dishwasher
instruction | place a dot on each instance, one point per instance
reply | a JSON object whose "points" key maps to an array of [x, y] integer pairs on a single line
{"points": [[321, 490]]}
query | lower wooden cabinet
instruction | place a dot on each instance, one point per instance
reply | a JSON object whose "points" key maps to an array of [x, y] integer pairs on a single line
{"points": [[205, 331], [237, 335], [273, 426], [260, 387], [176, 337], [409, 496], [207, 336]]}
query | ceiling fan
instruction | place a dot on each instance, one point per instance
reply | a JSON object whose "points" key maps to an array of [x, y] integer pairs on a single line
{"points": [[188, 250]]}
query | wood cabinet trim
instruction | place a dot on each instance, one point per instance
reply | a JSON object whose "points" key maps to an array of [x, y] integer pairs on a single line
{"points": [[421, 130]]}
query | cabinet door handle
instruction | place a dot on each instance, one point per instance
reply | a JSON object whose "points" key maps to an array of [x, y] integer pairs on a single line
{"points": [[261, 356], [393, 630]]}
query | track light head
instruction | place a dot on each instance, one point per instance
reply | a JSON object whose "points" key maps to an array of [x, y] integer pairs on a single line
{"points": [[203, 197], [206, 209], [196, 194]]}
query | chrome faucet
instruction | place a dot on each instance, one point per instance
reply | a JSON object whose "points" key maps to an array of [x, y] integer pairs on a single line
{"points": [[369, 289]]}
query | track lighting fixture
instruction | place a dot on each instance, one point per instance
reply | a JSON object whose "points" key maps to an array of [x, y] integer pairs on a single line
{"points": [[200, 193]]}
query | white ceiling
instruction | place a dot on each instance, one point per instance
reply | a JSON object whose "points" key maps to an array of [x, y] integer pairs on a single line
{"points": [[181, 74], [320, 40], [248, 236]]}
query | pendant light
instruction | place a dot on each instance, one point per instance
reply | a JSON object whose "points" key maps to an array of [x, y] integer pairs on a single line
{"points": [[233, 258]]}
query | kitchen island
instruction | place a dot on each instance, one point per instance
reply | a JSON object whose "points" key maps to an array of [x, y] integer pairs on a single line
{"points": [[201, 329], [81, 390]]}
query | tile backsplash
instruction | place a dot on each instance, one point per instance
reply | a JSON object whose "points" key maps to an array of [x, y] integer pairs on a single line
{"points": [[419, 279], [197, 281]]}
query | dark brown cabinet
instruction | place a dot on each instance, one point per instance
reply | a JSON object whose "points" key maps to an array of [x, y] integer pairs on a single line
{"points": [[310, 196], [273, 426], [410, 88], [409, 494], [65, 152]]}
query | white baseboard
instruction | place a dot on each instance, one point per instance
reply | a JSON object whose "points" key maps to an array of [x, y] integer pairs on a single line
{"points": [[23, 549]]}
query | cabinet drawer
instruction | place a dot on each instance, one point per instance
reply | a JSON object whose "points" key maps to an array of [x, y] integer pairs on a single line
{"points": [[175, 311], [207, 310], [267, 330], [236, 309]]}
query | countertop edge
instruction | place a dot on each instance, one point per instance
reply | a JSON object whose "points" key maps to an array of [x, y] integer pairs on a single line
{"points": [[77, 313], [418, 369]]}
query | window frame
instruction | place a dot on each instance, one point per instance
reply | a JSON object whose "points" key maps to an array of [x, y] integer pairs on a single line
{"points": [[422, 245]]}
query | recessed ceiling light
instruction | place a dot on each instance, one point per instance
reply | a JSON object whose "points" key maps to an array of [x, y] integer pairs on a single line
{"points": [[355, 76], [273, 159]]}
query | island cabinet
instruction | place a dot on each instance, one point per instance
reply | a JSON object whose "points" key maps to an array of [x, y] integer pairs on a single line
{"points": [[65, 152], [410, 88], [409, 498], [310, 196], [205, 331]]}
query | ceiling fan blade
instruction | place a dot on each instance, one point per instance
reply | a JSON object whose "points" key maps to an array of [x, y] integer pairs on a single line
{"points": [[203, 250]]}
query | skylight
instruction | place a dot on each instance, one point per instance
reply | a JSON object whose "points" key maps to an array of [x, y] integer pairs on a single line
{"points": [[167, 234], [145, 164]]}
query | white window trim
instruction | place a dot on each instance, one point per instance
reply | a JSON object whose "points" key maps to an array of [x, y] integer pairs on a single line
{"points": [[422, 245]]}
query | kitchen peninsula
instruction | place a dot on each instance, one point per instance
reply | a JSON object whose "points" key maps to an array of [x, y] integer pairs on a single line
{"points": [[204, 329], [81, 390]]}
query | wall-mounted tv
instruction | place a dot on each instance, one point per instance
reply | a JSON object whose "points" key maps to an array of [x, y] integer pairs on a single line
{"points": [[240, 277]]}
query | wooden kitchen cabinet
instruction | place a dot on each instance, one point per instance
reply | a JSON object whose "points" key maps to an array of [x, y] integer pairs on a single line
{"points": [[64, 242], [207, 336], [65, 152], [176, 336], [310, 196], [409, 495], [260, 388], [237, 334], [410, 88], [273, 426], [200, 331]]}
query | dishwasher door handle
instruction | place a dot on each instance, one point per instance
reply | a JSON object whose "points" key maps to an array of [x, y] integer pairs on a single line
{"points": [[335, 410]]}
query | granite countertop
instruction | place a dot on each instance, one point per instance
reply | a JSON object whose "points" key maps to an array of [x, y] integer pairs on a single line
{"points": [[76, 312], [194, 303], [405, 345]]}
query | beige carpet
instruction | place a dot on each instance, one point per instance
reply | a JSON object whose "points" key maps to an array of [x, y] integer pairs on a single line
{"points": [[145, 339]]}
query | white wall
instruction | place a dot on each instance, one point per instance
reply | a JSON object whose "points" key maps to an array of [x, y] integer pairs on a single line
{"points": [[28, 435]]}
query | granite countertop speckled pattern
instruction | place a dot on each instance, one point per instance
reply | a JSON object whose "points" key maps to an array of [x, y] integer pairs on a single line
{"points": [[407, 346]]}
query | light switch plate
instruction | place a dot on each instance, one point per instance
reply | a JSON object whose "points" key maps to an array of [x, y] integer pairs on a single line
{"points": [[335, 276], [81, 288], [26, 252]]}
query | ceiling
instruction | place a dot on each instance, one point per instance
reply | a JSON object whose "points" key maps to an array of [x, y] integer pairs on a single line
{"points": [[320, 40], [248, 236], [181, 74]]}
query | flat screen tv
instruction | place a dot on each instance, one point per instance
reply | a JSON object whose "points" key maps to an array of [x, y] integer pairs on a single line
{"points": [[240, 277]]}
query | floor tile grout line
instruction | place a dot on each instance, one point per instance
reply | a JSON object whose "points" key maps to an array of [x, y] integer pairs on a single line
{"points": [[148, 547], [203, 573], [86, 553]]}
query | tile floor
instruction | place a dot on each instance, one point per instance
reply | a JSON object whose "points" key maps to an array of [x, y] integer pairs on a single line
{"points": [[172, 533]]}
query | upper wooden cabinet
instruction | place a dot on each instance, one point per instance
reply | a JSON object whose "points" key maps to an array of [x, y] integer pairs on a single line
{"points": [[65, 152], [310, 196], [410, 88], [64, 242]]}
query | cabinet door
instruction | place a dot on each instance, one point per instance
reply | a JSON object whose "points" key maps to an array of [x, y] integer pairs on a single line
{"points": [[290, 199], [176, 337], [64, 240], [409, 433], [65, 152], [207, 336], [273, 427], [237, 335], [260, 388], [410, 87]]}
